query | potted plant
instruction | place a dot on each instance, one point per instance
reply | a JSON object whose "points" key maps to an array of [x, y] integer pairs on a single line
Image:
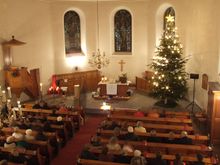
{"points": [[123, 78]]}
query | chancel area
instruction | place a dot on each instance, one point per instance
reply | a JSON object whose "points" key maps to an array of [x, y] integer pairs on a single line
{"points": [[115, 82]]}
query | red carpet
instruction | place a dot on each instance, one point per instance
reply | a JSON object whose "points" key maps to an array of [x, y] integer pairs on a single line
{"points": [[68, 154]]}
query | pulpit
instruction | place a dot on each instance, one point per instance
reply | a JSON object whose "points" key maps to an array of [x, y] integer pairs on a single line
{"points": [[114, 89]]}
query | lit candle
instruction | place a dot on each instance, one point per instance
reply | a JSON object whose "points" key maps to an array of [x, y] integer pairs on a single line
{"points": [[3, 97], [18, 102], [41, 87], [9, 92], [14, 114], [20, 111], [9, 104]]}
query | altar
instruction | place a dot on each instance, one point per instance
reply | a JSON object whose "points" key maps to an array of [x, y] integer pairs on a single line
{"points": [[113, 89]]}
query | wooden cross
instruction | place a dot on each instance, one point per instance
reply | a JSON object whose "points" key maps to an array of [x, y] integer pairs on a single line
{"points": [[121, 63]]}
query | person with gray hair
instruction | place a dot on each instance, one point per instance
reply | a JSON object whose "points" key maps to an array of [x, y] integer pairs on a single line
{"points": [[113, 144], [138, 159]]}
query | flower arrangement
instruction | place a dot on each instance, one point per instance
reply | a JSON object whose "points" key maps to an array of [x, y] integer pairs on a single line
{"points": [[123, 78]]}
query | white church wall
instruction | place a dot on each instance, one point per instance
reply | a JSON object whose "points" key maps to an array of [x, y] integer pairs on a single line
{"points": [[29, 21], [135, 63]]}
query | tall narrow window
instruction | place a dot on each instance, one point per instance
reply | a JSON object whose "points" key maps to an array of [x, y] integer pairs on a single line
{"points": [[169, 11], [122, 31], [72, 33]]}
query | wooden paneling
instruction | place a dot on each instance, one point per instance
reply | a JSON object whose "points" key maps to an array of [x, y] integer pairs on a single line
{"points": [[213, 112], [144, 83], [21, 80], [88, 80]]}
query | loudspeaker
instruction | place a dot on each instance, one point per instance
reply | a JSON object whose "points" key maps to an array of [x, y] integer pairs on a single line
{"points": [[194, 76]]}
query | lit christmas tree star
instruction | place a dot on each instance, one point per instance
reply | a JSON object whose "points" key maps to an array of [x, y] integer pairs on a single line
{"points": [[170, 18]]}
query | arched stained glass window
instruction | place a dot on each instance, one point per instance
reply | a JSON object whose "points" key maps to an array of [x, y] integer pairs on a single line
{"points": [[72, 33], [123, 31], [169, 11]]}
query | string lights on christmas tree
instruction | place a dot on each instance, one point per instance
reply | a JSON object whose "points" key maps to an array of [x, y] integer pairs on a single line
{"points": [[169, 80]]}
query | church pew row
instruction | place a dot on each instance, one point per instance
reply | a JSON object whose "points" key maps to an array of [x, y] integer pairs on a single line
{"points": [[197, 139], [131, 111], [75, 116], [166, 148], [164, 127], [97, 162], [30, 153], [161, 120], [169, 157], [43, 146], [11, 130]]}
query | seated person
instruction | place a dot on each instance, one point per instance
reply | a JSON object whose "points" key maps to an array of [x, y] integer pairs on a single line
{"points": [[139, 127], [40, 105], [105, 156], [95, 141], [124, 125], [36, 105], [16, 134], [60, 120], [117, 133], [199, 160], [62, 109], [86, 154], [10, 142], [153, 115], [184, 139], [127, 148], [139, 114], [15, 157], [20, 142], [108, 124], [153, 137], [41, 136], [138, 159], [113, 144], [171, 139], [47, 127], [29, 134], [177, 160], [130, 135], [157, 160]]}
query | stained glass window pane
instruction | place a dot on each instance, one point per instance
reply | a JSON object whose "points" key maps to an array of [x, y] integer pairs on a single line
{"points": [[122, 31], [169, 11], [72, 33]]}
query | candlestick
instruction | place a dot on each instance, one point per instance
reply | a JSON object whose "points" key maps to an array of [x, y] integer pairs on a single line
{"points": [[41, 87], [3, 97], [20, 111], [9, 92]]}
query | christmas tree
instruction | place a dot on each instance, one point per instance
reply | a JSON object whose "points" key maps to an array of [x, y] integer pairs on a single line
{"points": [[170, 79]]}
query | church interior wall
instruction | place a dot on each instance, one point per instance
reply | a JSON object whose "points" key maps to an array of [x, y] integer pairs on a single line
{"points": [[40, 24]]}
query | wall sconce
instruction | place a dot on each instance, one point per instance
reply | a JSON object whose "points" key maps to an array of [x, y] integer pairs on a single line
{"points": [[76, 68]]}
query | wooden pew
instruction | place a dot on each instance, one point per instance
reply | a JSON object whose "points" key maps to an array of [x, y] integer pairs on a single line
{"points": [[97, 162], [20, 151], [169, 157], [196, 138], [10, 130], [131, 111], [164, 127], [161, 120], [167, 148]]}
